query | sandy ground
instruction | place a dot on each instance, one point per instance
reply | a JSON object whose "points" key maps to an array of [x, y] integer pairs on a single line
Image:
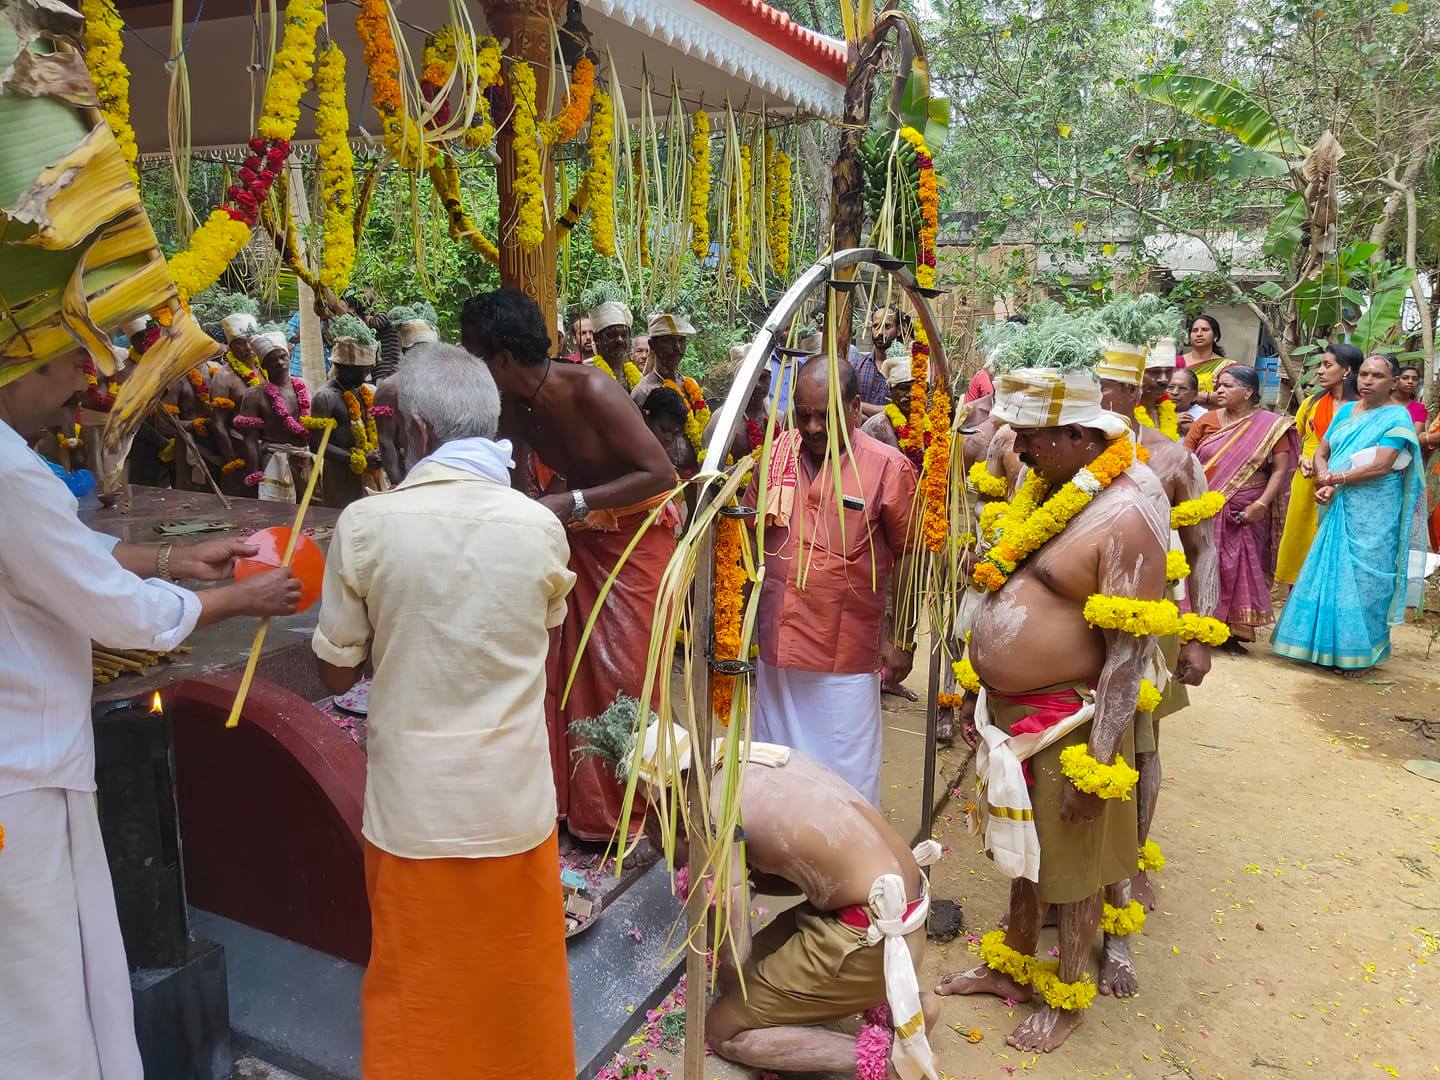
{"points": [[1299, 918]]}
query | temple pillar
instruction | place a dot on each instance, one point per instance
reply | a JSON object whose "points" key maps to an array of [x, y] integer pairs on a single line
{"points": [[523, 27]]}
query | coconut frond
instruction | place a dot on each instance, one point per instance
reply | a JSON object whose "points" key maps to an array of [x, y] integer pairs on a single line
{"points": [[1063, 343], [353, 328]]}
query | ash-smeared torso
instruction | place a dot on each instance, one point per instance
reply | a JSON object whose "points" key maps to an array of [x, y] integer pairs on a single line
{"points": [[1031, 632], [804, 824]]}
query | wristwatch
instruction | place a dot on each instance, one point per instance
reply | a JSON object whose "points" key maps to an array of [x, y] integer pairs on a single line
{"points": [[579, 509]]}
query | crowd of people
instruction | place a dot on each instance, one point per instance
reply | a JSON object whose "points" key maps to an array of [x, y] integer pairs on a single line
{"points": [[1134, 502]]}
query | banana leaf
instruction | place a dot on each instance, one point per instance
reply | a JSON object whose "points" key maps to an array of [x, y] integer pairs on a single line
{"points": [[1380, 318], [1227, 107], [1286, 229], [78, 257]]}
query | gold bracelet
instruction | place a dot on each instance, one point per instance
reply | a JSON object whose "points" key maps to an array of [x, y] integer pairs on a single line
{"points": [[162, 562]]}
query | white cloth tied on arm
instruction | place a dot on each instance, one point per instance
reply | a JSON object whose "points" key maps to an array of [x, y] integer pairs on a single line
{"points": [[910, 1052], [489, 459]]}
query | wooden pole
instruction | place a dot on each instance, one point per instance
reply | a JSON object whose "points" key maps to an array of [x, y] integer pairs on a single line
{"points": [[525, 25], [697, 907], [250, 664]]}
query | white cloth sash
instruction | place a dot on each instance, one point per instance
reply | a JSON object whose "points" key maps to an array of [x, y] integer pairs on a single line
{"points": [[489, 459], [1002, 806], [910, 1051]]}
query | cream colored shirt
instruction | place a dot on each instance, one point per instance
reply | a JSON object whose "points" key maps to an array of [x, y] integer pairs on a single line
{"points": [[450, 583]]}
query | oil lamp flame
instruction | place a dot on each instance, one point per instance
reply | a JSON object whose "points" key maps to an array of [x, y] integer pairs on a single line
{"points": [[155, 704]]}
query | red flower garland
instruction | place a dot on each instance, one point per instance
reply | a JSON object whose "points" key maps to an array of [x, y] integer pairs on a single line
{"points": [[256, 176]]}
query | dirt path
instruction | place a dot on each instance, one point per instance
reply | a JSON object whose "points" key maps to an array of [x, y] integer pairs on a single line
{"points": [[1298, 932]]}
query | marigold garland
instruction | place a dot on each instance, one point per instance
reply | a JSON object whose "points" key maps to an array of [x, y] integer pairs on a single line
{"points": [[97, 398], [571, 118], [1114, 781], [729, 605], [1193, 511], [212, 246], [362, 428], [599, 182], [1169, 420], [778, 205], [700, 184], [197, 383], [437, 62], [234, 465], [927, 193], [248, 375], [935, 476], [381, 59], [1029, 525], [740, 222], [1149, 698], [986, 484], [949, 701], [1011, 963], [1069, 997], [1151, 857], [965, 675], [487, 74], [699, 412], [337, 170], [1202, 628], [292, 70], [104, 59], [1130, 615], [1177, 568], [223, 404], [919, 392], [1122, 922], [529, 195], [632, 373]]}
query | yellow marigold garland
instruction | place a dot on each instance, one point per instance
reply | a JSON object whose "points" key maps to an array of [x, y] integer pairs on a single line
{"points": [[700, 184], [1132, 616], [1012, 963], [928, 196], [104, 59], [529, 196], [362, 428], [600, 178], [212, 246], [1202, 628], [445, 179], [1122, 922], [740, 223], [248, 375], [1151, 857], [1177, 568], [778, 204], [698, 412], [729, 605], [571, 118], [1069, 997], [1029, 525], [990, 520], [487, 74], [337, 170], [234, 465], [986, 484], [965, 676], [1169, 420], [1193, 511], [438, 60], [1114, 781], [291, 72], [632, 373], [1149, 698]]}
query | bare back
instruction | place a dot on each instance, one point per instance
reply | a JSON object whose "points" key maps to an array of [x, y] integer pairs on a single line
{"points": [[805, 824]]}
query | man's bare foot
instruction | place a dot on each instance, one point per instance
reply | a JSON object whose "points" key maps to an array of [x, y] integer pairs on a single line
{"points": [[1044, 1030], [1142, 890], [1117, 970], [899, 690], [983, 980]]}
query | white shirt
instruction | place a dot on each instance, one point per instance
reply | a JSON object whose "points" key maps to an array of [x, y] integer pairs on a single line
{"points": [[60, 586], [450, 583]]}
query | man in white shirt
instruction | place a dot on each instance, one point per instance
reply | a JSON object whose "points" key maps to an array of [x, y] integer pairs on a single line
{"points": [[65, 1006], [449, 584]]}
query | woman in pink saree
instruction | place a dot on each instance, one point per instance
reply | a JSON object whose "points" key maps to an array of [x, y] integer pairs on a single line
{"points": [[1248, 454]]}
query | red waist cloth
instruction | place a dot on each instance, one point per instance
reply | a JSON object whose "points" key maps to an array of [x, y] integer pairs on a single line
{"points": [[858, 917], [1050, 708]]}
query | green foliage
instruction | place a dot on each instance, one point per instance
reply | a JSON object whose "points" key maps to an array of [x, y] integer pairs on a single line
{"points": [[421, 311], [1063, 342], [611, 735], [215, 304], [1138, 319], [352, 327]]}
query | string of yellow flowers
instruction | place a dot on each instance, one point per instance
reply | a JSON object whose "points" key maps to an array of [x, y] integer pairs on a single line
{"points": [[487, 74], [740, 223], [1122, 922], [1029, 525], [1149, 698], [212, 247], [294, 65], [965, 676], [1177, 568], [1012, 963], [1068, 997], [529, 194], [104, 59], [1193, 511], [632, 373], [571, 118], [1114, 781], [698, 409], [779, 206], [991, 519], [700, 183], [984, 483], [438, 59], [1159, 617], [337, 170], [928, 195], [729, 605], [1169, 419], [1151, 857], [362, 429], [445, 179], [599, 180], [935, 476]]}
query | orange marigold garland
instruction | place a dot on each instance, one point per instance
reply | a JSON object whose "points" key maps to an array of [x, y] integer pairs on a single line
{"points": [[935, 476], [571, 118], [928, 195], [729, 603], [402, 138]]}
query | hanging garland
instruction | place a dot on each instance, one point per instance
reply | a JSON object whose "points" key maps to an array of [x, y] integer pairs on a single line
{"points": [[362, 429], [529, 193], [740, 223], [919, 396], [294, 65], [436, 64], [928, 195], [481, 131], [104, 59], [99, 399], [632, 373], [935, 476], [1169, 420], [599, 183], [445, 179], [729, 602], [778, 204], [571, 118], [698, 409], [337, 171], [700, 184], [399, 134]]}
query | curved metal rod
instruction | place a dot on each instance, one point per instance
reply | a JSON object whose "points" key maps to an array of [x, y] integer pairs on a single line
{"points": [[776, 324]]}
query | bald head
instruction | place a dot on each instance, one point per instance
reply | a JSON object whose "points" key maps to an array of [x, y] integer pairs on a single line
{"points": [[811, 401]]}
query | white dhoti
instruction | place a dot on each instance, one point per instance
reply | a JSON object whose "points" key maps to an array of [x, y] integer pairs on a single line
{"points": [[278, 482], [65, 1006], [834, 719]]}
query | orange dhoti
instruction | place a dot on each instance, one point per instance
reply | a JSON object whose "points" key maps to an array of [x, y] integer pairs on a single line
{"points": [[467, 973], [588, 795]]}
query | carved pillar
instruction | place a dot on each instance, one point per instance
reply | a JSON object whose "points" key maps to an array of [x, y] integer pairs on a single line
{"points": [[523, 26]]}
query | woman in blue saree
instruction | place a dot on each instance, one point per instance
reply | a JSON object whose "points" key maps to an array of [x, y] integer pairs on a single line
{"points": [[1369, 481]]}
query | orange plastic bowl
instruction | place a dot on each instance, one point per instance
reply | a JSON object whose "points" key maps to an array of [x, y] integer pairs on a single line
{"points": [[307, 564]]}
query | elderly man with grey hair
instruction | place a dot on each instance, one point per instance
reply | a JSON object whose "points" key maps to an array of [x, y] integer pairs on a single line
{"points": [[448, 585]]}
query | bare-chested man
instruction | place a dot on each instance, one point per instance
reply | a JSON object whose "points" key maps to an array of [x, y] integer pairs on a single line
{"points": [[611, 321], [277, 442], [810, 834], [669, 336], [235, 375], [582, 427], [352, 457], [1079, 843], [896, 371], [413, 327], [1155, 389]]}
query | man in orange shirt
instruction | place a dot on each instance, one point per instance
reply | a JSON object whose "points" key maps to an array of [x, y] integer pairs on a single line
{"points": [[823, 645]]}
